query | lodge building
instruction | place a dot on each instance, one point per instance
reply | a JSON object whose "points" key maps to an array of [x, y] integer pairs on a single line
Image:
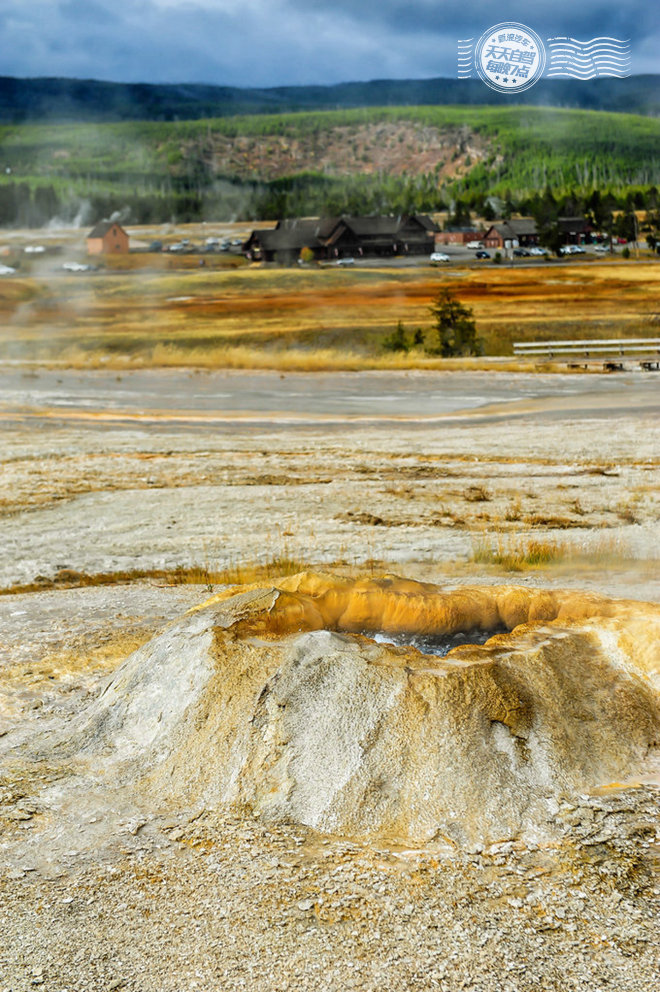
{"points": [[333, 238]]}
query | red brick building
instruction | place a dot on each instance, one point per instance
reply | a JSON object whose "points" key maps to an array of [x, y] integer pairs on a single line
{"points": [[107, 237], [458, 236]]}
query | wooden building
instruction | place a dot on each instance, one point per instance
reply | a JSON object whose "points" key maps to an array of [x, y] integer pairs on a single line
{"points": [[107, 237], [284, 242], [333, 238], [521, 231], [576, 230]]}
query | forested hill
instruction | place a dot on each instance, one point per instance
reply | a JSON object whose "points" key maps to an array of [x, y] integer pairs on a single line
{"points": [[68, 100], [328, 162]]}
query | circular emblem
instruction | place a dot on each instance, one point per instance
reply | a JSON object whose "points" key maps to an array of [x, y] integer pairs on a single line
{"points": [[510, 57]]}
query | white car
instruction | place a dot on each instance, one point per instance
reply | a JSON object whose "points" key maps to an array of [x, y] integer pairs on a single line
{"points": [[77, 267], [475, 245], [601, 249], [345, 261], [438, 256], [34, 249], [6, 270], [537, 250]]}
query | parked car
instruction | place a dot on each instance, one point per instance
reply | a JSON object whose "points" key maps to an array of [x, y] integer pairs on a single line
{"points": [[482, 254], [345, 261], [6, 270], [601, 249], [474, 245], [521, 253], [156, 246], [537, 250], [78, 267], [438, 256]]}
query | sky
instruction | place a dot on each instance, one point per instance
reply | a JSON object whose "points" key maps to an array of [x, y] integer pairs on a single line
{"points": [[289, 42]]}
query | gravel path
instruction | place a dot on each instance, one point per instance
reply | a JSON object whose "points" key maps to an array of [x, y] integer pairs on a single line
{"points": [[221, 903]]}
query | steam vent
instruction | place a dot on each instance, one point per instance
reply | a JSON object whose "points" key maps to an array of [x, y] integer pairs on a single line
{"points": [[291, 702]]}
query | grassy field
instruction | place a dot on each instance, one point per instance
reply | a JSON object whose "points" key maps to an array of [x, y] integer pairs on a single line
{"points": [[310, 319]]}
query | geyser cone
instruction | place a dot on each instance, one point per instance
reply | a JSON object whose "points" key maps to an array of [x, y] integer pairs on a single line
{"points": [[273, 698]]}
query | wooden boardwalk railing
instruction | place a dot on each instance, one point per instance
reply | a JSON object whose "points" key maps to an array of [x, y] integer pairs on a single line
{"points": [[611, 353]]}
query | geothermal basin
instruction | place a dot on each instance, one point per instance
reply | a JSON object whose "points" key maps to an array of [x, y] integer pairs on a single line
{"points": [[285, 701]]}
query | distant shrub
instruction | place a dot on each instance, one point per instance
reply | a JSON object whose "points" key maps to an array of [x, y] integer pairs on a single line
{"points": [[477, 494], [397, 340]]}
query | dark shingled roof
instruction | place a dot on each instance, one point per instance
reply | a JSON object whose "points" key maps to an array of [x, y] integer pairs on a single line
{"points": [[514, 228], [102, 228], [573, 225], [426, 222], [292, 235], [387, 226], [373, 225]]}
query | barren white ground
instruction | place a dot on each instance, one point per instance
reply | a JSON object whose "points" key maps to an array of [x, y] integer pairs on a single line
{"points": [[416, 472]]}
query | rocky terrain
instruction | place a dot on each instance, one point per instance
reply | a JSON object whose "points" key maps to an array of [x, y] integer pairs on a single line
{"points": [[221, 902], [152, 883], [107, 888], [388, 147]]}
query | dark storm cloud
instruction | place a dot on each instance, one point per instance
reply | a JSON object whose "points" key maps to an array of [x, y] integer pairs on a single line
{"points": [[583, 20], [270, 42]]}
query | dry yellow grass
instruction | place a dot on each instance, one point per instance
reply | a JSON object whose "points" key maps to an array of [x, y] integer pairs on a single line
{"points": [[312, 319], [240, 573], [518, 553]]}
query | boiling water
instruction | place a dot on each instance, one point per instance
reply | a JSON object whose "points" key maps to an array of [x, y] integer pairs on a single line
{"points": [[435, 644]]}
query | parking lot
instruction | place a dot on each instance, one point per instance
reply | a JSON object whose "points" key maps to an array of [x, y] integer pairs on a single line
{"points": [[460, 255]]}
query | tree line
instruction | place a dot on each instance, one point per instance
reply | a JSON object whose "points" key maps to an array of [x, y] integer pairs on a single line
{"points": [[25, 205]]}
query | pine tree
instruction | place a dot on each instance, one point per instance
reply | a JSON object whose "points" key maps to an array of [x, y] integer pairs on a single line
{"points": [[455, 328]]}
